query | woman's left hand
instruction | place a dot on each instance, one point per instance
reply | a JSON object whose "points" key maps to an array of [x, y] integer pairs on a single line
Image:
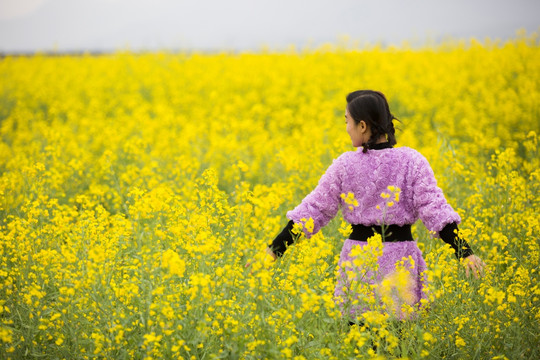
{"points": [[474, 263]]}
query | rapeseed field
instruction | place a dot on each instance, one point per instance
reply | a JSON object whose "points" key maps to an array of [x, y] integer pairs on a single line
{"points": [[134, 188]]}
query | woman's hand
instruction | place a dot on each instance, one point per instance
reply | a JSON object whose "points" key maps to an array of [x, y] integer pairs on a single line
{"points": [[267, 258], [474, 263], [270, 253]]}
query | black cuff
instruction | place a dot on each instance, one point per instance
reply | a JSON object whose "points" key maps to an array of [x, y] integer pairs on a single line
{"points": [[283, 240], [449, 235]]}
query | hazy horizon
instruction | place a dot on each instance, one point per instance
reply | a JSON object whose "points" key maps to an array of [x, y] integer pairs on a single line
{"points": [[108, 25]]}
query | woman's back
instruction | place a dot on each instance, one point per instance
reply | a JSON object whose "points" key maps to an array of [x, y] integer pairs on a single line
{"points": [[367, 175]]}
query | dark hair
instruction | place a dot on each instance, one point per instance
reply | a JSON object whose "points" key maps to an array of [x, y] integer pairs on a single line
{"points": [[372, 107]]}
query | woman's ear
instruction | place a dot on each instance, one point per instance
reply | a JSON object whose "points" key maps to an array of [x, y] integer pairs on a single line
{"points": [[362, 126]]}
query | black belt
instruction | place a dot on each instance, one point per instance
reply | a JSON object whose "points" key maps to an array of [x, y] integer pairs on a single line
{"points": [[392, 233]]}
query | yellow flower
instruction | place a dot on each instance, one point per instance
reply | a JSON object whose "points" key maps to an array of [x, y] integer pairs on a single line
{"points": [[6, 335], [460, 342], [172, 261], [427, 337], [350, 200], [309, 224], [131, 201]]}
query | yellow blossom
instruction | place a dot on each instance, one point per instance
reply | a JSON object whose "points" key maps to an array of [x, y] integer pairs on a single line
{"points": [[135, 187]]}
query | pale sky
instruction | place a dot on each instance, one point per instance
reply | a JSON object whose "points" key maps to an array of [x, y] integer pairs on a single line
{"points": [[105, 25]]}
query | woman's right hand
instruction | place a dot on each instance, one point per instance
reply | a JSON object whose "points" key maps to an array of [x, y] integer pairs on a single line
{"points": [[268, 257], [270, 253]]}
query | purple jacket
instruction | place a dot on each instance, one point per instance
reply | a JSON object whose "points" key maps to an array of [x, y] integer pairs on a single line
{"points": [[367, 175]]}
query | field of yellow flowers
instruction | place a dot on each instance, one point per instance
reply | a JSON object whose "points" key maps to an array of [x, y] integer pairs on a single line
{"points": [[134, 188]]}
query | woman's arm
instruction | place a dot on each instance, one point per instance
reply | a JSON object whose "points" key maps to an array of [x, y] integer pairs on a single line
{"points": [[437, 215], [282, 241], [428, 199], [449, 234], [321, 205]]}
